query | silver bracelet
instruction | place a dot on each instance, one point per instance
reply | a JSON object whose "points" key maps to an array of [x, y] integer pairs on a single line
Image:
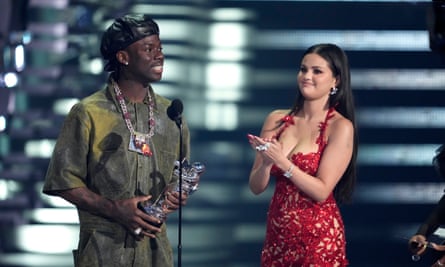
{"points": [[288, 173], [439, 263]]}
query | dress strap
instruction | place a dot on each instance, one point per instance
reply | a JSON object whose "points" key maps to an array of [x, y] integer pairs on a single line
{"points": [[285, 121], [321, 141], [289, 120]]}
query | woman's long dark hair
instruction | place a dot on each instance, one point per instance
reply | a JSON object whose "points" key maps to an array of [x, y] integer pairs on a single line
{"points": [[344, 104]]}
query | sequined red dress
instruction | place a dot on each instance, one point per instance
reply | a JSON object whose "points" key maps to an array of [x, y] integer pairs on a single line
{"points": [[301, 232]]}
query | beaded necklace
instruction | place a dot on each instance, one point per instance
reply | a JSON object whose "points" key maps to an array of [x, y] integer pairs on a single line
{"points": [[138, 141]]}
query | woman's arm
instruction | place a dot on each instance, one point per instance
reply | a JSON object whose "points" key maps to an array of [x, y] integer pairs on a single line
{"points": [[260, 173]]}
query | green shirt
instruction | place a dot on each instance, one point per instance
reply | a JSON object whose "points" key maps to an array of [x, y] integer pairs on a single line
{"points": [[92, 151]]}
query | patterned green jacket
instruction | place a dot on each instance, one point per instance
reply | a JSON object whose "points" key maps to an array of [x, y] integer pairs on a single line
{"points": [[92, 151]]}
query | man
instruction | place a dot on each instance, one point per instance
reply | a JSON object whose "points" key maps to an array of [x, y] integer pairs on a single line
{"points": [[116, 149]]}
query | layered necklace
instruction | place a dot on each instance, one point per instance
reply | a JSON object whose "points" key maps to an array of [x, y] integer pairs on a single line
{"points": [[138, 141]]}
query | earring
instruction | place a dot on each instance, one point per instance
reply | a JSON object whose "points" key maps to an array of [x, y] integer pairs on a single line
{"points": [[333, 90], [126, 63]]}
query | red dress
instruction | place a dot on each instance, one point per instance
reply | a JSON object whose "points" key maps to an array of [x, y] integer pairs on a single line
{"points": [[300, 231]]}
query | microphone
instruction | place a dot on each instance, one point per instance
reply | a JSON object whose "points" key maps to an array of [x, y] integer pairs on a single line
{"points": [[174, 111]]}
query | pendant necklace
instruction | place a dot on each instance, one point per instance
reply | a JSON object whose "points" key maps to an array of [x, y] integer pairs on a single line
{"points": [[138, 141]]}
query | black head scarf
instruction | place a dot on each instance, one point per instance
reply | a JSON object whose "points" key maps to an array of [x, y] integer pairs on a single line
{"points": [[123, 32]]}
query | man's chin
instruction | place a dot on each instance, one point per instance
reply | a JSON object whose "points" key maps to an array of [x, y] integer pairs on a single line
{"points": [[155, 77]]}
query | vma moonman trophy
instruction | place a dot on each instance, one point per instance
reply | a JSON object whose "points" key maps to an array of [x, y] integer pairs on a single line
{"points": [[191, 173]]}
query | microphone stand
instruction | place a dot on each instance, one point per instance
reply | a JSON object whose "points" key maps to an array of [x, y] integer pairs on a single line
{"points": [[179, 123]]}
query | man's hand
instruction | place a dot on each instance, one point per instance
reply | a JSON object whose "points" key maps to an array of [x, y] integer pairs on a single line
{"points": [[125, 211], [138, 222], [171, 202]]}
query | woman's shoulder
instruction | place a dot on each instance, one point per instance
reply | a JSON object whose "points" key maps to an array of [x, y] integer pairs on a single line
{"points": [[278, 113], [341, 124], [273, 120]]}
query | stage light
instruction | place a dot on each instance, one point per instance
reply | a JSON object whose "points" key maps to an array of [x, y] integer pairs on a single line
{"points": [[39, 148], [2, 123], [9, 188], [19, 58], [9, 79], [59, 238]]}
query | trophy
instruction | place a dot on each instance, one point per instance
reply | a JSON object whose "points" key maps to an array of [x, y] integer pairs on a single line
{"points": [[191, 174]]}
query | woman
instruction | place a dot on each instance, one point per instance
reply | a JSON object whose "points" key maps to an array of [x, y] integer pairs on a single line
{"points": [[311, 151]]}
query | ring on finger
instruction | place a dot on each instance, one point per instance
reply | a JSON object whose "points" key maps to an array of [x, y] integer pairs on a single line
{"points": [[263, 147], [137, 231]]}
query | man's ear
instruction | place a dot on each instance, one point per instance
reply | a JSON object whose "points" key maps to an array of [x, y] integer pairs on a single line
{"points": [[122, 57]]}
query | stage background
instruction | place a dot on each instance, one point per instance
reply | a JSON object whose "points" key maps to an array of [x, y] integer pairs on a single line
{"points": [[230, 62]]}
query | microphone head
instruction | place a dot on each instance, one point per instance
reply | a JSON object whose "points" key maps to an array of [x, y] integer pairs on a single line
{"points": [[174, 111]]}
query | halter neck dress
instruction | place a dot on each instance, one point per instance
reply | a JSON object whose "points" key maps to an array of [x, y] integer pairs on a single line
{"points": [[300, 231]]}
